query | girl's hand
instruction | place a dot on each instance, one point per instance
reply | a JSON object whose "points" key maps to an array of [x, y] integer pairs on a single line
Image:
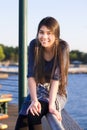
{"points": [[53, 110], [34, 108]]}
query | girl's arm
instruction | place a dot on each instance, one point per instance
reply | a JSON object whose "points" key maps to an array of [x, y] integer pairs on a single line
{"points": [[52, 98], [53, 91], [35, 106], [32, 88]]}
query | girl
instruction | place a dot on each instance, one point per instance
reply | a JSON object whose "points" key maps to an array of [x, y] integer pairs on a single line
{"points": [[47, 75]]}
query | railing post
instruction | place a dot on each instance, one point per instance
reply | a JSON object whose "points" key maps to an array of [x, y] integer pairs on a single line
{"points": [[22, 51]]}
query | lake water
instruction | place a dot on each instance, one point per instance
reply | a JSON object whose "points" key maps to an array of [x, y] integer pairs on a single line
{"points": [[77, 98], [77, 95]]}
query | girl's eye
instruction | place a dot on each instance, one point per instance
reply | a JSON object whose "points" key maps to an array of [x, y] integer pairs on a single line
{"points": [[41, 32], [49, 33]]}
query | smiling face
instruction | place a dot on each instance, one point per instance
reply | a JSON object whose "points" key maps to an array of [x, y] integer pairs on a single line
{"points": [[48, 32], [46, 37]]}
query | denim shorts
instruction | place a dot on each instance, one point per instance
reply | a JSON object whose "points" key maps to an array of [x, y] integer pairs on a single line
{"points": [[43, 95]]}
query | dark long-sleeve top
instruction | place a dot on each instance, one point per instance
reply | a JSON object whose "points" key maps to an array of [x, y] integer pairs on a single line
{"points": [[48, 64]]}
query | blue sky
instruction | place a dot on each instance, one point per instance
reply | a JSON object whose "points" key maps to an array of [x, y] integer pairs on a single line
{"points": [[71, 15]]}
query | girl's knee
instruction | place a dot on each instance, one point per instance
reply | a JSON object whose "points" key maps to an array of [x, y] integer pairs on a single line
{"points": [[22, 123], [34, 119]]}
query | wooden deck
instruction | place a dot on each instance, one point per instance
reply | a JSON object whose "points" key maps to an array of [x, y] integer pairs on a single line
{"points": [[4, 100], [12, 112]]}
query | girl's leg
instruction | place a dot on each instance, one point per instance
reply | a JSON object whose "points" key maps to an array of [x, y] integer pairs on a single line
{"points": [[22, 123], [35, 127], [38, 127], [36, 120]]}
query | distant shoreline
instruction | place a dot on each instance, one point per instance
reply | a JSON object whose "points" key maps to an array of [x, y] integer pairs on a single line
{"points": [[72, 69], [77, 70]]}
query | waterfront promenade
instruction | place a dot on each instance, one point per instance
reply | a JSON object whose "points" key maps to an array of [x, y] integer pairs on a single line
{"points": [[13, 109]]}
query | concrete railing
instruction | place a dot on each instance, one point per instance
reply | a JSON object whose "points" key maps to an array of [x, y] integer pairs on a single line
{"points": [[49, 122]]}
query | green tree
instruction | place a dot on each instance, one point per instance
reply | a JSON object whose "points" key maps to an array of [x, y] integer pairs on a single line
{"points": [[12, 56], [77, 55], [2, 55], [73, 55]]}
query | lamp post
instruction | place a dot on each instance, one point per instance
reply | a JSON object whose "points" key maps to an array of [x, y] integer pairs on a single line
{"points": [[22, 51]]}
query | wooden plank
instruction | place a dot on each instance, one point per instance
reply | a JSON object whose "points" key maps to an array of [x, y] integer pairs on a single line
{"points": [[3, 76], [5, 99], [3, 126], [6, 95], [3, 116]]}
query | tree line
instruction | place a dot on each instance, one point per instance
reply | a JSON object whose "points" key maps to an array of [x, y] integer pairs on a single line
{"points": [[9, 53], [76, 55], [12, 54]]}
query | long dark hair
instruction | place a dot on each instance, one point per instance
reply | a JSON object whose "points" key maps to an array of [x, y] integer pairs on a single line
{"points": [[60, 49]]}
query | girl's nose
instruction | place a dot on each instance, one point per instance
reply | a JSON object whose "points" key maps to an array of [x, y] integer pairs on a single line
{"points": [[45, 36]]}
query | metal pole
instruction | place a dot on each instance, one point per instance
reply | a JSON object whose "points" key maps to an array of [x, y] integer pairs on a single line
{"points": [[22, 51]]}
